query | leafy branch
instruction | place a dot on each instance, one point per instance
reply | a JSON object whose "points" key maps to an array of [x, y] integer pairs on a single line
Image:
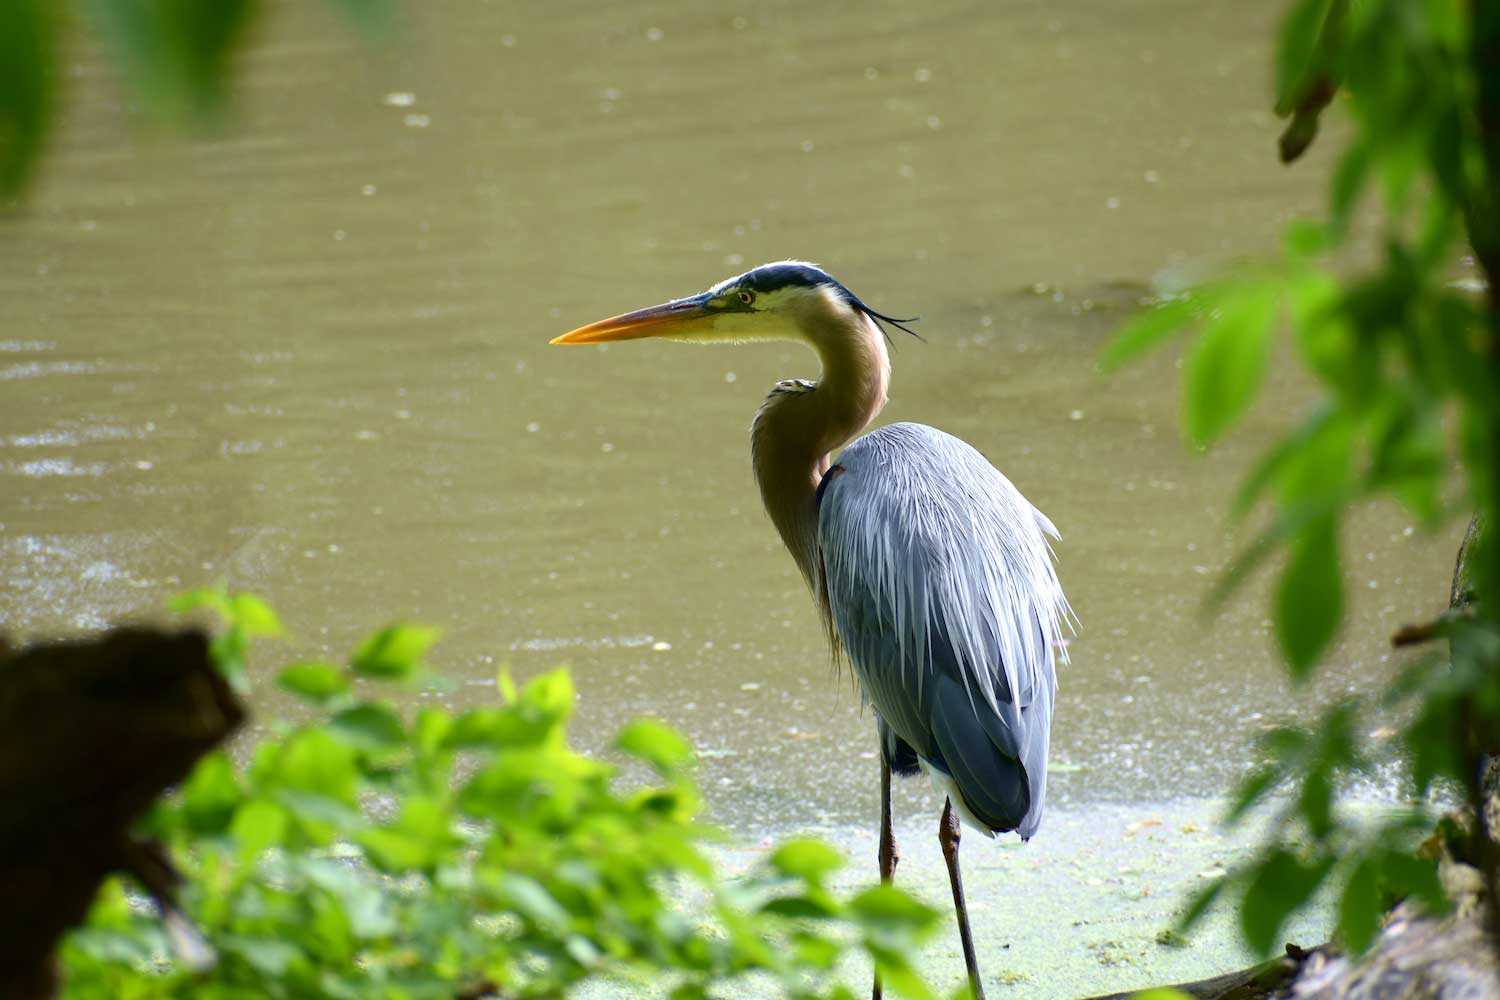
{"points": [[174, 55], [1407, 355], [376, 852]]}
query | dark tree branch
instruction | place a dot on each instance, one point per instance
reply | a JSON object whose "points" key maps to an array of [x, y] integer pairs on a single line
{"points": [[91, 733], [1263, 980]]}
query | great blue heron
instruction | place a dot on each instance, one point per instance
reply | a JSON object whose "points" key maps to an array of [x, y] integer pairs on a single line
{"points": [[933, 575]]}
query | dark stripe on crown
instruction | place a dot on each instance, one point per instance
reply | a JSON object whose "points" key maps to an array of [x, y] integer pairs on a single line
{"points": [[770, 277]]}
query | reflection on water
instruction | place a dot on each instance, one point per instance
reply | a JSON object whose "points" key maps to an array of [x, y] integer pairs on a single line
{"points": [[309, 356]]}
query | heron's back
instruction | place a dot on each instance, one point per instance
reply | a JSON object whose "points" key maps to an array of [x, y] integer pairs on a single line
{"points": [[941, 586]]}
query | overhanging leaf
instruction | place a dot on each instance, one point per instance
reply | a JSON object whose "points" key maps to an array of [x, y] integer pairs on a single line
{"points": [[1280, 883], [394, 653], [369, 726], [1310, 596], [1202, 901], [1227, 362], [213, 598], [887, 907], [1149, 328], [175, 52], [1296, 51], [657, 744], [807, 859], [1359, 907], [254, 615], [28, 42], [257, 826], [211, 794], [316, 682]]}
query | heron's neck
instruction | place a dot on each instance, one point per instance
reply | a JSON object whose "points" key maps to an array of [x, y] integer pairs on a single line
{"points": [[798, 428]]}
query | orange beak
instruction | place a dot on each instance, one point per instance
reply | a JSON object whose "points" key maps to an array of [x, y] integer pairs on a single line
{"points": [[680, 317]]}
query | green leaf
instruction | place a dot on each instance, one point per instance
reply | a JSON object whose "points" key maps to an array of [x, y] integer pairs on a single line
{"points": [[657, 744], [1408, 456], [370, 912], [497, 728], [313, 681], [1279, 885], [1245, 562], [1202, 901], [175, 52], [1299, 51], [228, 651], [1296, 63], [213, 598], [1274, 464], [478, 727], [807, 859], [421, 838], [800, 908], [1347, 184], [1148, 329], [1359, 907], [258, 826], [1315, 801], [28, 56], [531, 900], [1227, 363], [325, 932], [1407, 876], [313, 760], [1310, 596], [1435, 752], [270, 957], [1303, 239], [430, 730], [818, 952], [549, 695], [369, 726], [211, 794], [253, 615], [394, 653], [896, 972], [395, 852], [1251, 791], [888, 908]]}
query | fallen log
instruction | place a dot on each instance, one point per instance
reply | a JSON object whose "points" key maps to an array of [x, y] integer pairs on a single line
{"points": [[1268, 979]]}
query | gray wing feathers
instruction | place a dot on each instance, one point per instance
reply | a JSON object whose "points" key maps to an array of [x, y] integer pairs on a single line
{"points": [[996, 785], [939, 574]]}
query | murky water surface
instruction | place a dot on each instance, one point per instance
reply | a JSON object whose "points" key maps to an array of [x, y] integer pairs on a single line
{"points": [[309, 357]]}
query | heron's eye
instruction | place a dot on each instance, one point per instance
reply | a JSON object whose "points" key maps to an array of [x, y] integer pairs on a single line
{"points": [[746, 296]]}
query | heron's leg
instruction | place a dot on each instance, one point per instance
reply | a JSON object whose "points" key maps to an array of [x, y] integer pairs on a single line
{"points": [[890, 855], [948, 836]]}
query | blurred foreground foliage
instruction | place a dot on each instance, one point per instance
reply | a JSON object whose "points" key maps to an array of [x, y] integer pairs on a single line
{"points": [[1407, 355], [174, 56], [374, 853]]}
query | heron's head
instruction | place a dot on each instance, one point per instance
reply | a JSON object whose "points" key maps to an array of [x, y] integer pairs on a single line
{"points": [[788, 300]]}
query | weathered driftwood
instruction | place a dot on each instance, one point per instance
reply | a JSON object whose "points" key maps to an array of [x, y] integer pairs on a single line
{"points": [[1415, 958], [90, 733]]}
